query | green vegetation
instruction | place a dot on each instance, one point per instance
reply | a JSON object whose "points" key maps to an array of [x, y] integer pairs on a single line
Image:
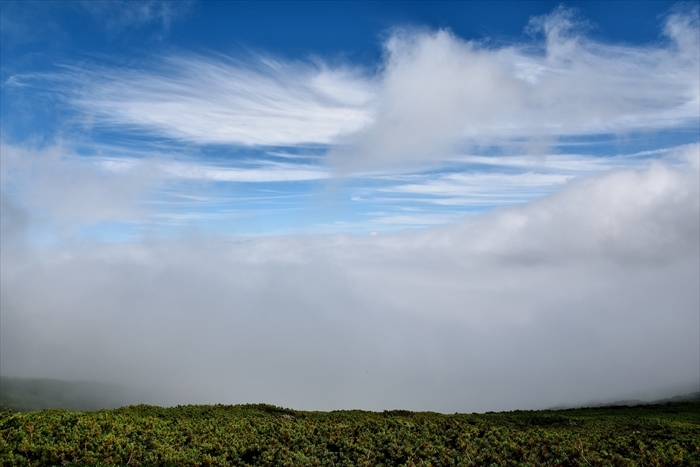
{"points": [[264, 435]]}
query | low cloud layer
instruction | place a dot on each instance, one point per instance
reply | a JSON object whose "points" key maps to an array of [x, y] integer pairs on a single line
{"points": [[590, 293], [55, 187]]}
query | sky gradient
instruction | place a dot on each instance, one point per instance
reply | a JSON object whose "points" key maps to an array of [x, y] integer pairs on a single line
{"points": [[429, 206]]}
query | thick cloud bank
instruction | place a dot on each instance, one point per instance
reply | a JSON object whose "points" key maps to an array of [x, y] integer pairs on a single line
{"points": [[590, 293]]}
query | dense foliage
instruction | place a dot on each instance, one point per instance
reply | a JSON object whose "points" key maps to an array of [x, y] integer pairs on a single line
{"points": [[263, 435]]}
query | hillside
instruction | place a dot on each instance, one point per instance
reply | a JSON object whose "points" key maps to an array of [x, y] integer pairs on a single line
{"points": [[264, 435]]}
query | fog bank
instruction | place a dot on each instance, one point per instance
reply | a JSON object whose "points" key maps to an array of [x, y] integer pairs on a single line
{"points": [[587, 294]]}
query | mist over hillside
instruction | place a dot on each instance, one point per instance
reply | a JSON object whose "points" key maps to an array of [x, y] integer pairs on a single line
{"points": [[31, 394], [28, 394]]}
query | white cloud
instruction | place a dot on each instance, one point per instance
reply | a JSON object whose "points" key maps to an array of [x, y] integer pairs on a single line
{"points": [[57, 186], [439, 93], [687, 155], [483, 187], [588, 293], [58, 191], [623, 214], [260, 172], [225, 101], [490, 181]]}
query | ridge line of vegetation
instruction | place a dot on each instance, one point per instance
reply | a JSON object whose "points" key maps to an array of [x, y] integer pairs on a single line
{"points": [[266, 435]]}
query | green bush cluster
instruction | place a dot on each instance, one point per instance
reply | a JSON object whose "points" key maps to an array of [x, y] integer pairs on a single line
{"points": [[265, 435]]}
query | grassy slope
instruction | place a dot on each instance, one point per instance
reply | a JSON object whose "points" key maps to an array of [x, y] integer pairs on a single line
{"points": [[661, 435]]}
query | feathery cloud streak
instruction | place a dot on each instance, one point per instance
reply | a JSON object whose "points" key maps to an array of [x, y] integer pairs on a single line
{"points": [[263, 102], [119, 15]]}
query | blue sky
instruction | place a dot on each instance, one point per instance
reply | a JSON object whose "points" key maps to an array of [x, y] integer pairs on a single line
{"points": [[257, 119], [450, 206]]}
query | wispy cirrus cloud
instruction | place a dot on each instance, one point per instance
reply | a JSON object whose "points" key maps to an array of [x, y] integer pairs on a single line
{"points": [[474, 189], [220, 100], [476, 182], [264, 171], [120, 15]]}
